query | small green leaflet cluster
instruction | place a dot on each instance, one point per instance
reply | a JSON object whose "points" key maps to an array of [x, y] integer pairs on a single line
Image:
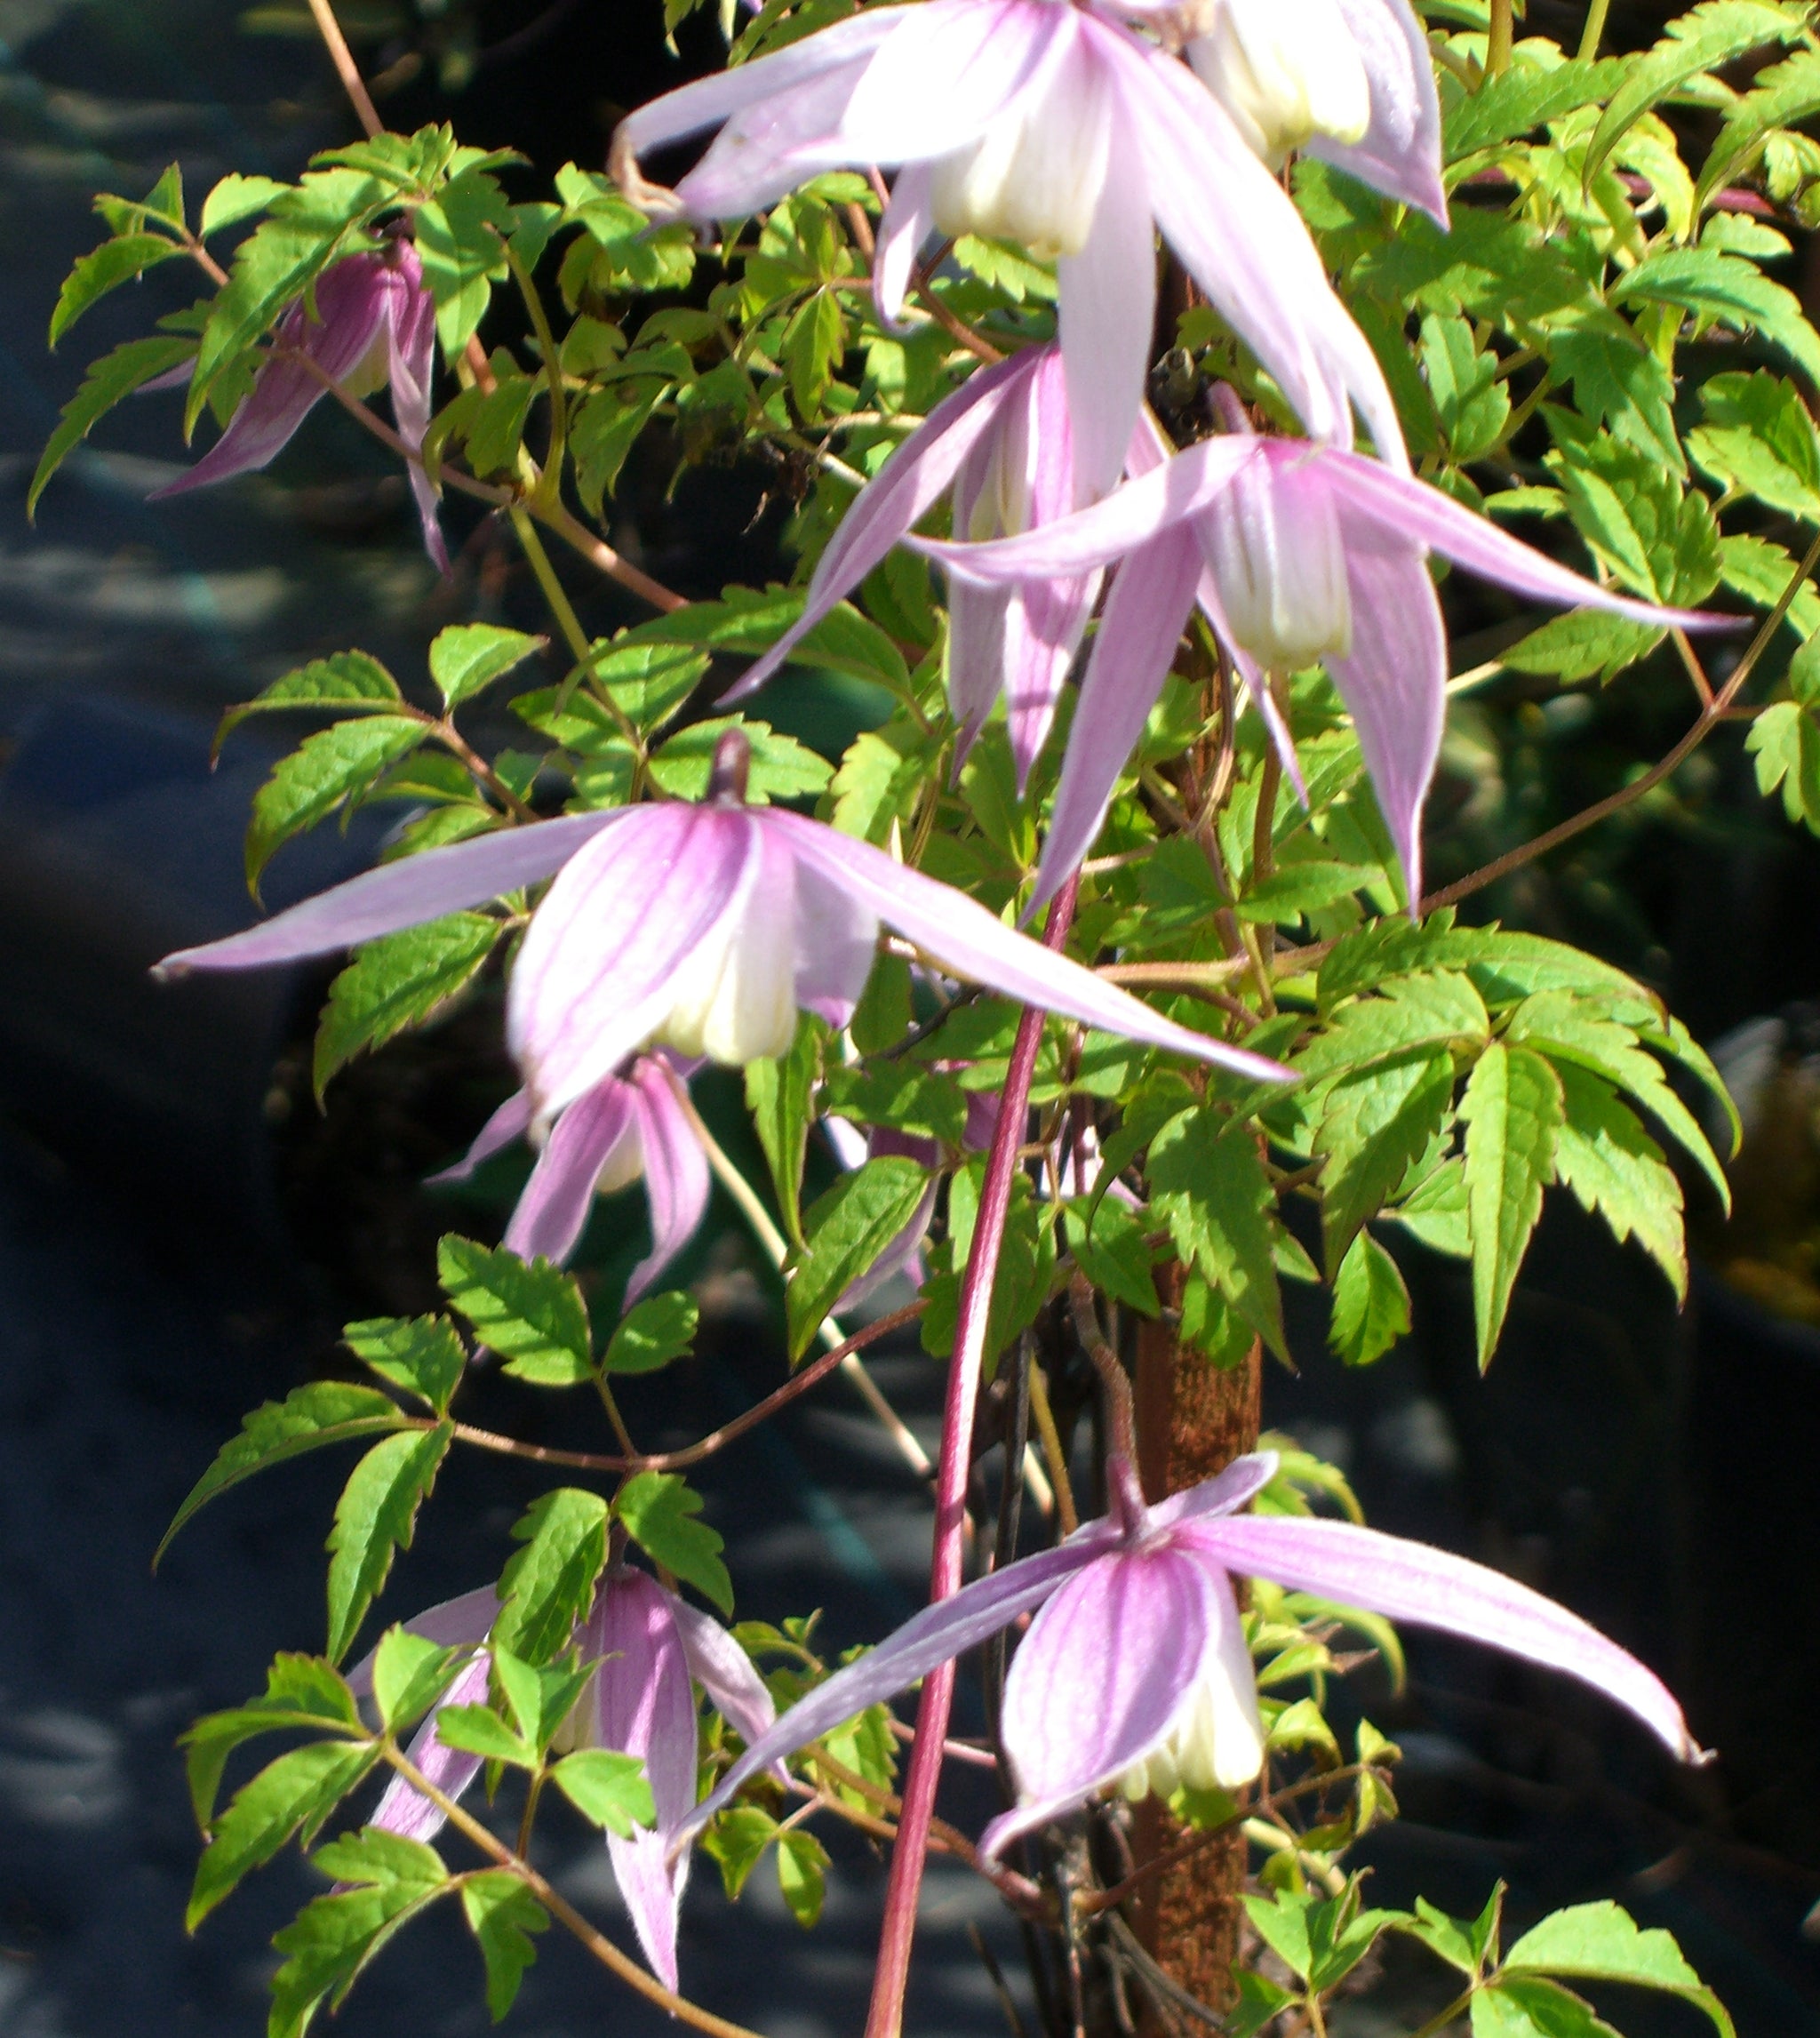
{"points": [[385, 1880], [1530, 1992]]}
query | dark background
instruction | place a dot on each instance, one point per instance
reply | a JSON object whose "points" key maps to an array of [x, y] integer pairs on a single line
{"points": [[180, 1234]]}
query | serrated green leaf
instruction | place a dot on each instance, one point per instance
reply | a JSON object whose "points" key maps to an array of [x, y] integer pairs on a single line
{"points": [[1110, 1247], [1526, 2006], [409, 1674], [608, 1789], [803, 1875], [1600, 1942], [847, 1230], [466, 658], [658, 1510], [660, 1329], [324, 772], [1299, 888], [781, 768], [548, 1585], [1522, 99], [528, 1311], [1512, 1111], [328, 1411], [479, 1730], [302, 1692], [399, 981], [1370, 1304], [418, 1353], [503, 1917], [1631, 509], [457, 236], [1616, 381], [780, 1095], [344, 679], [110, 382], [332, 1938], [123, 259], [296, 1794], [1209, 1185], [1373, 1126], [236, 198], [1704, 39], [1582, 645], [1781, 96], [737, 1841], [1759, 440], [1613, 1166], [376, 1515], [1719, 288]]}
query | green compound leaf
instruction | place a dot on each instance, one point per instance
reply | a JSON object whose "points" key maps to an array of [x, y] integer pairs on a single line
{"points": [[409, 1674], [660, 1329], [608, 1789], [422, 1354], [330, 1943], [328, 1411], [376, 1515], [658, 1510], [111, 380], [1370, 1304], [1210, 1185], [848, 1229], [1613, 1166], [547, 1586], [345, 679], [780, 1095], [122, 260], [467, 658], [528, 1311], [399, 981], [302, 1692], [324, 773], [1374, 1126], [1512, 1111], [1527, 2006], [803, 1875], [296, 1794], [1600, 1942], [503, 1917]]}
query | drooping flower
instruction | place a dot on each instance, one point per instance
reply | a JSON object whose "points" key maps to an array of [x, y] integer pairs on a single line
{"points": [[1349, 81], [1298, 552], [648, 1645], [1042, 122], [628, 1126], [702, 929], [1135, 1674], [1002, 446], [370, 322]]}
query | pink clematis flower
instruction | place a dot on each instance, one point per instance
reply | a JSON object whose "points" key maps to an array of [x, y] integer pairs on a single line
{"points": [[373, 323], [1041, 122], [702, 929], [1001, 446], [1349, 81], [1135, 1673], [626, 1126], [648, 1644], [1298, 553]]}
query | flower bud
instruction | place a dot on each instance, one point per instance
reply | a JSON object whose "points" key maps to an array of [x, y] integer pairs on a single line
{"points": [[1272, 540], [1036, 175], [1285, 71], [1217, 1745]]}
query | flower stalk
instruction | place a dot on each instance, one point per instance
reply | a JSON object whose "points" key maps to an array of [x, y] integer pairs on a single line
{"points": [[886, 2016]]}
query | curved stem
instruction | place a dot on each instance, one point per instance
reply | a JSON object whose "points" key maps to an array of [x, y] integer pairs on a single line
{"points": [[1710, 717], [886, 2016], [346, 68], [560, 1908]]}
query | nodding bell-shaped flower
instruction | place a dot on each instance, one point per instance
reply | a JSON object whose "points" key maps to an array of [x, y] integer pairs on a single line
{"points": [[638, 1124], [1285, 71], [702, 928], [1135, 1674], [1055, 124], [1001, 446], [1294, 551], [651, 1649], [370, 323]]}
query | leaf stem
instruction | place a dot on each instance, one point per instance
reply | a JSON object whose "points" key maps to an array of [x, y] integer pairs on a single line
{"points": [[559, 1907], [1498, 41], [886, 2016], [1710, 717], [346, 68], [1044, 1418], [811, 1375], [1594, 33], [554, 594]]}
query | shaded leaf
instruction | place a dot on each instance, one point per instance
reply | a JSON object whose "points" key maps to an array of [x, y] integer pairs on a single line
{"points": [[658, 1510], [660, 1329], [1512, 1111], [503, 1917], [296, 1794]]}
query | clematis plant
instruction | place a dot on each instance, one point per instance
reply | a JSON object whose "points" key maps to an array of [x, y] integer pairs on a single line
{"points": [[987, 275]]}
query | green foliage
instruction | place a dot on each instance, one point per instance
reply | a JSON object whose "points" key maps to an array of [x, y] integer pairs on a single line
{"points": [[658, 1511], [111, 380], [398, 983], [846, 1230], [608, 1790], [421, 1354], [549, 1584], [328, 773], [409, 1675], [529, 1312], [659, 1328], [467, 658], [294, 1795], [780, 1095], [376, 1514]]}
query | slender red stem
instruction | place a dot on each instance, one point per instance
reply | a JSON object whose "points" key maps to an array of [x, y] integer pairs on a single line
{"points": [[886, 2018]]}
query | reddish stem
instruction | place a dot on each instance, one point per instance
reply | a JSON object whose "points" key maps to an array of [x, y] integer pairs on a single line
{"points": [[886, 2018]]}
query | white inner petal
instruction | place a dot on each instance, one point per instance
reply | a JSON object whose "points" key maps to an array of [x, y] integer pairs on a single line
{"points": [[1285, 71], [1035, 176], [371, 373], [1216, 1744], [1274, 544], [734, 1000]]}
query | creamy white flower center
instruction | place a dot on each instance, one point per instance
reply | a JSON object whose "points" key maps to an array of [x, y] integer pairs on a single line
{"points": [[1036, 175], [1217, 1744], [1001, 508], [624, 1166], [373, 369], [1274, 543], [1287, 71], [734, 1000]]}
